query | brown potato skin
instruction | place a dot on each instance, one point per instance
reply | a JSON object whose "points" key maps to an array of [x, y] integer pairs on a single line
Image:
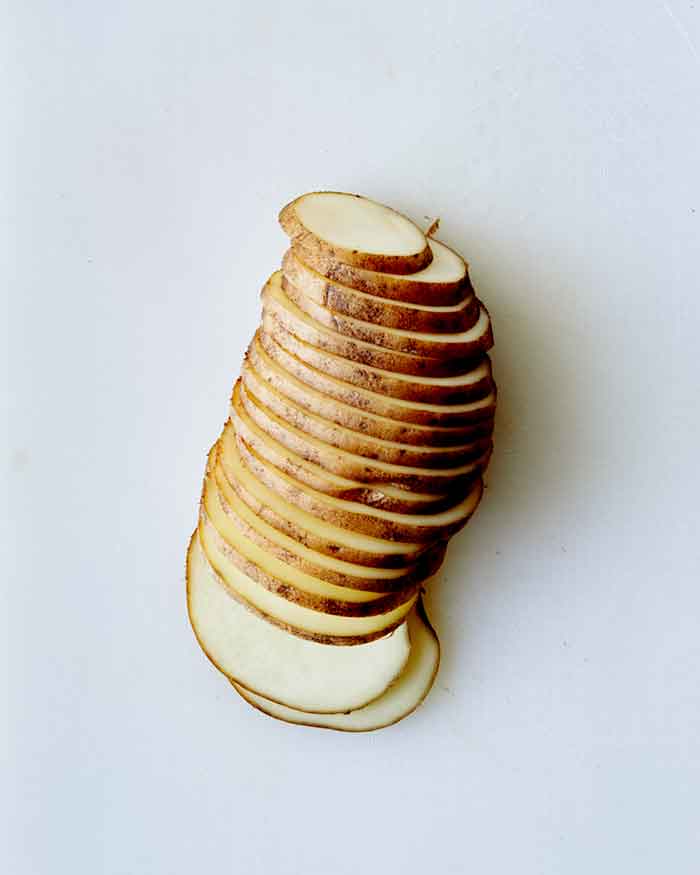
{"points": [[481, 409], [306, 282], [434, 481], [380, 381], [274, 453], [339, 641], [381, 285], [444, 350], [427, 564], [356, 521], [260, 393], [336, 607], [394, 264], [365, 423], [332, 341]]}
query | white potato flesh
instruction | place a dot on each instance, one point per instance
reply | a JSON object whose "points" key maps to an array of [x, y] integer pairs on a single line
{"points": [[357, 223], [400, 699]]}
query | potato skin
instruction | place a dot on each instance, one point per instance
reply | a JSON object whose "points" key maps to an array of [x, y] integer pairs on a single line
{"points": [[364, 422], [477, 382], [378, 310], [382, 285]]}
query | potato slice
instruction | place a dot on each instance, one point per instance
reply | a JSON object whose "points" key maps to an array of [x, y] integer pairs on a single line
{"points": [[444, 282], [379, 311], [385, 496], [437, 481], [400, 699], [308, 529], [393, 452], [284, 668], [363, 421], [278, 305], [296, 619], [288, 580], [352, 229], [378, 523], [402, 409], [429, 345], [329, 568]]}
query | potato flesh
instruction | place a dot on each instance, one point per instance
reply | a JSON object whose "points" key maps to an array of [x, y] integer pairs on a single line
{"points": [[358, 223], [284, 668], [400, 699]]}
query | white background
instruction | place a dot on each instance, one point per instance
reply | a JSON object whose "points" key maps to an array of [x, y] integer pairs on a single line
{"points": [[146, 148]]}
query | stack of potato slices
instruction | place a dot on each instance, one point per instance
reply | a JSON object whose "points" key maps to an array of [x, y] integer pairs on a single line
{"points": [[359, 431]]}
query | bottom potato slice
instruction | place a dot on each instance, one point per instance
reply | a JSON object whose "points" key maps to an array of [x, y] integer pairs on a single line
{"points": [[286, 669], [401, 698]]}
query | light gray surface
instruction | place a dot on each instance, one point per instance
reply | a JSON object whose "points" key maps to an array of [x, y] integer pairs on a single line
{"points": [[146, 150]]}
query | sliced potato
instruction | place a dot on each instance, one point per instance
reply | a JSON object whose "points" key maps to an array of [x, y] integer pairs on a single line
{"points": [[357, 231], [285, 668], [386, 496], [473, 385], [296, 619], [336, 571], [308, 529], [444, 282], [437, 481], [400, 699], [443, 347], [378, 523], [376, 449], [287, 580], [278, 305], [305, 281], [402, 409], [365, 422]]}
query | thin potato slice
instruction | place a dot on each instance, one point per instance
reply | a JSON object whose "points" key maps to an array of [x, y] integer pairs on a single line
{"points": [[355, 230]]}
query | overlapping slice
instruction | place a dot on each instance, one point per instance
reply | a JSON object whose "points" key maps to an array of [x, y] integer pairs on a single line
{"points": [[277, 304], [357, 231], [321, 375], [444, 282], [333, 410], [312, 531], [284, 668], [400, 699], [377, 310], [444, 348]]}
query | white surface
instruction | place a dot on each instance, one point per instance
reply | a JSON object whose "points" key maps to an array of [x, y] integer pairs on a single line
{"points": [[146, 150]]}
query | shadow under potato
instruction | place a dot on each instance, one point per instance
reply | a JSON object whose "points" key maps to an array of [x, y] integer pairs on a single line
{"points": [[539, 452]]}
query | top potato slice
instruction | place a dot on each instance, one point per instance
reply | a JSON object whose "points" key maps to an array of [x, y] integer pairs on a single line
{"points": [[356, 231]]}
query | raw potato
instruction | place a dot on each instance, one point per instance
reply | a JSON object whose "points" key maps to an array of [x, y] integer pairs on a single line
{"points": [[335, 571], [332, 410], [445, 347], [472, 385], [358, 434], [277, 305], [288, 580], [357, 231], [438, 480], [284, 668], [306, 282], [400, 699], [296, 619], [308, 529], [443, 283], [393, 452], [402, 409], [375, 522]]}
